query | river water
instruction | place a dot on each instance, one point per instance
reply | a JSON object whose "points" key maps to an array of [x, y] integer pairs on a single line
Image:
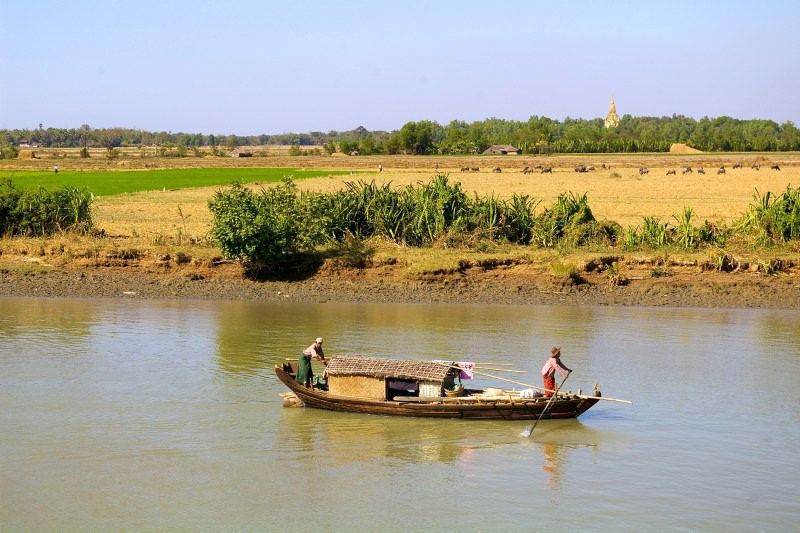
{"points": [[143, 415]]}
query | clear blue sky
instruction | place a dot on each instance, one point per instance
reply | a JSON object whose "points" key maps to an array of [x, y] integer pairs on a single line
{"points": [[252, 67]]}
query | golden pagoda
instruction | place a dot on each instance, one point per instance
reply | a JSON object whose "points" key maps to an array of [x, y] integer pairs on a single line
{"points": [[612, 120]]}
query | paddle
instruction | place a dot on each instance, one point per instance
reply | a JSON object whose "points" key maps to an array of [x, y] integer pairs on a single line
{"points": [[528, 430]]}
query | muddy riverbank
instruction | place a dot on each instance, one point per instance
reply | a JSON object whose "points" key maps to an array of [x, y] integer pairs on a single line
{"points": [[688, 285]]}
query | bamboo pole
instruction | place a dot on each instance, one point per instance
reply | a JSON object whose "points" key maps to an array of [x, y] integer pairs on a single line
{"points": [[501, 379], [603, 398], [495, 369]]}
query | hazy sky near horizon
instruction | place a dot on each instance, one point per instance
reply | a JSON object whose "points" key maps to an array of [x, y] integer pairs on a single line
{"points": [[255, 67]]}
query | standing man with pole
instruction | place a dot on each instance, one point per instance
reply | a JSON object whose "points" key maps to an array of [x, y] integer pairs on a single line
{"points": [[552, 366], [304, 372]]}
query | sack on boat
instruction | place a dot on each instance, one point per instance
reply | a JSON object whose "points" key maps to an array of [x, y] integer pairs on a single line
{"points": [[493, 392], [530, 393]]}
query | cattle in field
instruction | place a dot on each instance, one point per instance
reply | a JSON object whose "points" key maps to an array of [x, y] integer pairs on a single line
{"points": [[643, 171], [701, 170], [671, 172], [756, 166], [589, 168], [527, 170], [737, 165], [497, 169], [580, 168], [721, 170], [537, 166], [547, 170], [474, 169], [775, 167], [686, 170], [464, 169]]}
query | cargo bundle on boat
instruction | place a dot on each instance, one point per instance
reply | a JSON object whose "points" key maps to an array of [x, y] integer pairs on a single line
{"points": [[422, 389]]}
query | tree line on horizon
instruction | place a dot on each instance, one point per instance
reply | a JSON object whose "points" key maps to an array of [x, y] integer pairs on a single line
{"points": [[537, 135]]}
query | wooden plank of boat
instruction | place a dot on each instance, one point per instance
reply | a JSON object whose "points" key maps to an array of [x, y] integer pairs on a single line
{"points": [[430, 399], [463, 399]]}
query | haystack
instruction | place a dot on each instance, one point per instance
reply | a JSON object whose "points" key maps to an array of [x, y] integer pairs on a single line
{"points": [[680, 148]]}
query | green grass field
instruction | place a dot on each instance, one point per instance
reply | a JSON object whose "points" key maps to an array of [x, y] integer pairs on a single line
{"points": [[108, 183]]}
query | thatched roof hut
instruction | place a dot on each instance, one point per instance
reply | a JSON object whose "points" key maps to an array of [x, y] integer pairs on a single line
{"points": [[240, 152], [370, 377], [502, 149], [350, 365]]}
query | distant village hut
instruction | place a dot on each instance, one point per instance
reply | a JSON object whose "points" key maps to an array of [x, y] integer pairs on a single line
{"points": [[240, 152], [502, 149], [383, 379]]}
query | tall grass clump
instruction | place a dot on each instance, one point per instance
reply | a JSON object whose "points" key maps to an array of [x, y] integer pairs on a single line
{"points": [[773, 219], [416, 215], [520, 219], [569, 212], [38, 212]]}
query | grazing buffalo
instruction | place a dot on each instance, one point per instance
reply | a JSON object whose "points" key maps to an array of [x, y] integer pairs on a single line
{"points": [[686, 170], [474, 169], [589, 168], [537, 166], [774, 167], [643, 170], [671, 172], [464, 169], [756, 166], [701, 170], [580, 168], [497, 169], [527, 170], [547, 170], [721, 170], [737, 165]]}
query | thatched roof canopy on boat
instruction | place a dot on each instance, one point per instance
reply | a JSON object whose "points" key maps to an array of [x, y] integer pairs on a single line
{"points": [[353, 365]]}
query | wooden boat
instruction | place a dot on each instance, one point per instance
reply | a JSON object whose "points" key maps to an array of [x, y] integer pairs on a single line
{"points": [[418, 389]]}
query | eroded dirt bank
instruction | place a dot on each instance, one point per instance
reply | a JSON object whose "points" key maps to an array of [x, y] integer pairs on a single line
{"points": [[680, 286]]}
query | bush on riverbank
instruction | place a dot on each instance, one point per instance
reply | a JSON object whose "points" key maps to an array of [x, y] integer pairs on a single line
{"points": [[38, 212], [277, 222]]}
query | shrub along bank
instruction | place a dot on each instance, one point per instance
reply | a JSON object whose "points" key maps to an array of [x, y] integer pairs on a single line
{"points": [[272, 224], [39, 212]]}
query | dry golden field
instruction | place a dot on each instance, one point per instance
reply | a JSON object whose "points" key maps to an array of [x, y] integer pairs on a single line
{"points": [[617, 193]]}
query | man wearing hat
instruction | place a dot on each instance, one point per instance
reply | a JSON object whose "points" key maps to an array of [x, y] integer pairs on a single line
{"points": [[552, 366], [304, 372]]}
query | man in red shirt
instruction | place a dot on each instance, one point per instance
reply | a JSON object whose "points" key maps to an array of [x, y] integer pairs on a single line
{"points": [[552, 366]]}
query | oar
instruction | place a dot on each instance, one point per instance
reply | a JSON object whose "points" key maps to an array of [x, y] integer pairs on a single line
{"points": [[528, 430]]}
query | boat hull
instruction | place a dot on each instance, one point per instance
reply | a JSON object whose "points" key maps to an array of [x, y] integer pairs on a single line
{"points": [[472, 408]]}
